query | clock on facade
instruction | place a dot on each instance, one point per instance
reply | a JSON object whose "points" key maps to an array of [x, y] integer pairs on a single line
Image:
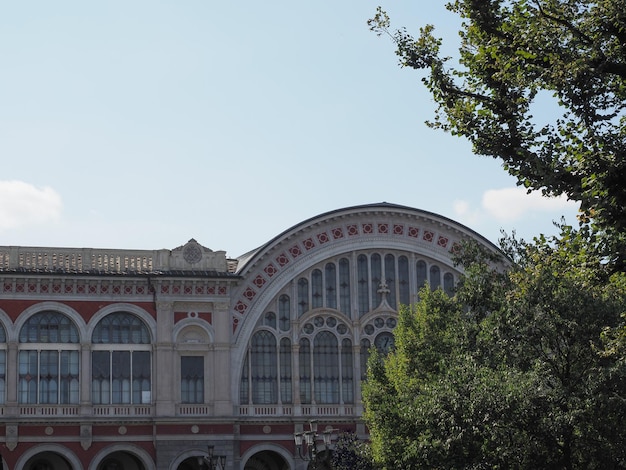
{"points": [[384, 342]]}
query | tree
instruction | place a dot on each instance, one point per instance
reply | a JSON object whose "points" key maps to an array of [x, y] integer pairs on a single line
{"points": [[351, 453], [518, 380], [515, 55]]}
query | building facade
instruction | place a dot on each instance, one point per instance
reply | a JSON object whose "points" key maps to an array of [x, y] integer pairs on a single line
{"points": [[139, 360]]}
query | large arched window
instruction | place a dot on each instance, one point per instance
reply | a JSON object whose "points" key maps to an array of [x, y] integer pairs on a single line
{"points": [[121, 361], [48, 370], [326, 368], [264, 370], [326, 362], [266, 374]]}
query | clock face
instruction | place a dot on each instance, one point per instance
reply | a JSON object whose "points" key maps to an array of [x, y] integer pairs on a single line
{"points": [[384, 342]]}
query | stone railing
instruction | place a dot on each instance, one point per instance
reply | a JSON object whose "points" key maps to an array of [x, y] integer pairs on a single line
{"points": [[302, 410], [189, 257]]}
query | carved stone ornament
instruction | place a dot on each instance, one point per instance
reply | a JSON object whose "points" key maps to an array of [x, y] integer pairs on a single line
{"points": [[11, 436], [192, 252], [85, 436]]}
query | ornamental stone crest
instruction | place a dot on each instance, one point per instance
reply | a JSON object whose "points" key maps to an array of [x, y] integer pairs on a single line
{"points": [[192, 252], [194, 256]]}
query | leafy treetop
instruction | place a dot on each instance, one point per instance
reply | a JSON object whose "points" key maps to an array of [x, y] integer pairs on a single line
{"points": [[513, 56]]}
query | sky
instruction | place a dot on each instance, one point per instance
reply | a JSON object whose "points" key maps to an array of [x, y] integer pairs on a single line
{"points": [[142, 124]]}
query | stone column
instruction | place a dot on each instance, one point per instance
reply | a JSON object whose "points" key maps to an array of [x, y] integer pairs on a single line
{"points": [[222, 326], [12, 379], [85, 379], [164, 384]]}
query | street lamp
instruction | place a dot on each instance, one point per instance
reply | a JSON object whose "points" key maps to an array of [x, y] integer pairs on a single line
{"points": [[212, 461], [306, 442]]}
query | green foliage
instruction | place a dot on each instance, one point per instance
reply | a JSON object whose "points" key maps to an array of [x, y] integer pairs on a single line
{"points": [[351, 453], [566, 55], [519, 381]]}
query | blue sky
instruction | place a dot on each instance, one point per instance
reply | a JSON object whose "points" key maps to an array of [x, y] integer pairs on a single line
{"points": [[142, 124]]}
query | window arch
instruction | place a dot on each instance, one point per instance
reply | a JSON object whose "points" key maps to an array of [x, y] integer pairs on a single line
{"points": [[326, 366], [48, 360], [448, 283], [266, 373], [422, 274], [435, 277], [121, 361]]}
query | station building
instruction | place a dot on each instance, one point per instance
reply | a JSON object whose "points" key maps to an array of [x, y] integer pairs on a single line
{"points": [[142, 359]]}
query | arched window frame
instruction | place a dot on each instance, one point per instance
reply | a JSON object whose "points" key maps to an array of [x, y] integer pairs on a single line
{"points": [[49, 359], [121, 360]]}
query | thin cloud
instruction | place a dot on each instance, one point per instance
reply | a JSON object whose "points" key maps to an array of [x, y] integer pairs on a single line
{"points": [[464, 212], [22, 205], [511, 204]]}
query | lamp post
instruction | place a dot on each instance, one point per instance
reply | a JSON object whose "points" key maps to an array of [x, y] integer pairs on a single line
{"points": [[212, 461], [306, 442]]}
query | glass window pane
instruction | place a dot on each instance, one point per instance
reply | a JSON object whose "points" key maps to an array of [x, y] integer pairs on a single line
{"points": [[330, 277], [141, 390], [347, 372], [303, 296], [284, 313], [326, 368], [49, 327], [244, 392], [390, 279], [305, 371], [448, 283], [121, 328], [285, 371], [316, 289], [192, 379], [100, 377], [264, 368], [403, 280], [421, 274], [363, 287], [376, 277], [435, 277], [344, 286]]}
